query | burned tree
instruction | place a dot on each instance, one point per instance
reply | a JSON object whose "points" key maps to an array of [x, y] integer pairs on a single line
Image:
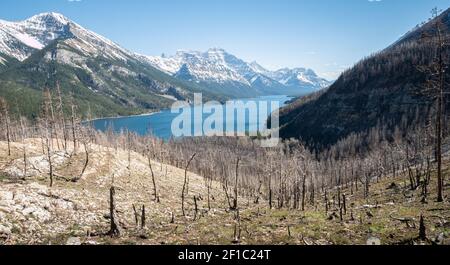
{"points": [[435, 88], [60, 116], [4, 112], [47, 130], [155, 192], [143, 217], [185, 183], [114, 228], [422, 229], [24, 148], [235, 199], [73, 120]]}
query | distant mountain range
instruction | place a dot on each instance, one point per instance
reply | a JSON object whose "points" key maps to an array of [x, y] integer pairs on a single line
{"points": [[111, 80], [48, 47], [229, 74], [381, 92]]}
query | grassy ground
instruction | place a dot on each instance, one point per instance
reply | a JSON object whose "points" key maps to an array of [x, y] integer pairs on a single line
{"points": [[33, 213]]}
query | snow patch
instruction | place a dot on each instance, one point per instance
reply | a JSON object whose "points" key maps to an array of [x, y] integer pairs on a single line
{"points": [[18, 39], [29, 41], [168, 97], [304, 79]]}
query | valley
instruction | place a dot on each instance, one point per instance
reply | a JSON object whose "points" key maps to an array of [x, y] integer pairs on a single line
{"points": [[90, 152], [49, 50]]}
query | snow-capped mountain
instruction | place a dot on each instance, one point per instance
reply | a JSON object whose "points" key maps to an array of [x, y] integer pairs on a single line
{"points": [[299, 77], [36, 52], [294, 78], [99, 71], [216, 66], [20, 39]]}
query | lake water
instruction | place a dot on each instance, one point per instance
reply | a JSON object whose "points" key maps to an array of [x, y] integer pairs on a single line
{"points": [[160, 124]]}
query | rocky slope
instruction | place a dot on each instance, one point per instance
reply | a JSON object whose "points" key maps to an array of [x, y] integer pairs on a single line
{"points": [[33, 213], [78, 212]]}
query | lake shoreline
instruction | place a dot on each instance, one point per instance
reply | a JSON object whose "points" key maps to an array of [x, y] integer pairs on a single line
{"points": [[127, 116], [190, 104], [161, 122]]}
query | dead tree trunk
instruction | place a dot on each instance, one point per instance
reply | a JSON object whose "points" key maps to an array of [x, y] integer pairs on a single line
{"points": [[440, 197], [172, 218], [62, 120], [155, 192], [53, 131], [46, 129], [195, 208], [235, 200], [312, 191], [136, 216], [227, 196], [209, 183], [303, 191], [436, 71], [366, 185], [5, 114], [422, 229], [185, 182], [258, 192], [344, 203], [270, 191], [73, 125], [114, 229], [24, 148], [143, 217], [237, 229], [50, 165], [86, 161]]}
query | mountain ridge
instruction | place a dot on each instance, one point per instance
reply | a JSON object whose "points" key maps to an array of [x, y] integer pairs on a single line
{"points": [[121, 81], [378, 94], [217, 66], [99, 72]]}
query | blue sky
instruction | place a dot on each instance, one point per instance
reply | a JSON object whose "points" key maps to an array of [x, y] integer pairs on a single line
{"points": [[325, 35]]}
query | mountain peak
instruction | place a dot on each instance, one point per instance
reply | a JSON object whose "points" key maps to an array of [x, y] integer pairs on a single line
{"points": [[49, 18], [258, 68], [216, 66], [20, 39]]}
